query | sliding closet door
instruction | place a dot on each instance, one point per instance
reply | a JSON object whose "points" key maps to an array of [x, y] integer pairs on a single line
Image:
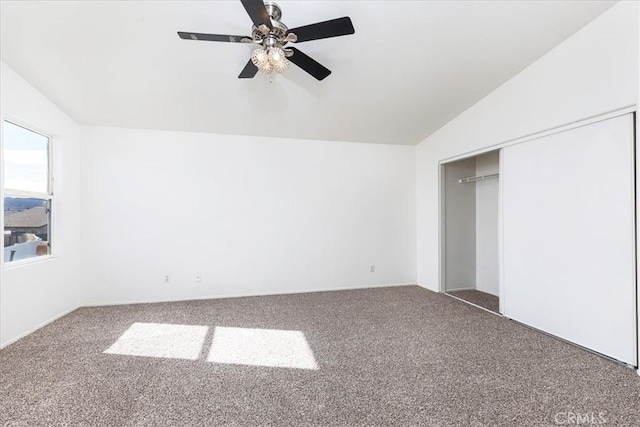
{"points": [[568, 236]]}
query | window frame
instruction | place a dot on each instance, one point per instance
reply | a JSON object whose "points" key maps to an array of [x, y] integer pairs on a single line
{"points": [[48, 196]]}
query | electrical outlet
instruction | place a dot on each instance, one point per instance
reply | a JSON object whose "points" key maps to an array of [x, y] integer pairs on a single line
{"points": [[372, 269], [166, 279], [198, 278]]}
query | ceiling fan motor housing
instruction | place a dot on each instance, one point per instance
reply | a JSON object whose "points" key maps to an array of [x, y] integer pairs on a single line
{"points": [[278, 29]]}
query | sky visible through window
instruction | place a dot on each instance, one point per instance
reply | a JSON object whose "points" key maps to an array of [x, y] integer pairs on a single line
{"points": [[26, 159]]}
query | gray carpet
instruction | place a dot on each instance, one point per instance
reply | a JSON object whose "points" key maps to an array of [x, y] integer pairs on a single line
{"points": [[389, 356], [483, 299]]}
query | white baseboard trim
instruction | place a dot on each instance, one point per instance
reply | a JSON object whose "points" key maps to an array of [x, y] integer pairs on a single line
{"points": [[306, 291], [461, 289], [430, 288], [41, 325], [260, 294]]}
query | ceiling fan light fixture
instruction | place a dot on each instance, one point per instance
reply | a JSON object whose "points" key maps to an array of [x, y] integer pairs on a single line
{"points": [[270, 60], [278, 59], [276, 55], [266, 68], [281, 66], [260, 57]]}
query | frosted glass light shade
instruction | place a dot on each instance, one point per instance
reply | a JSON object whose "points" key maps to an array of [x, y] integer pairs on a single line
{"points": [[270, 60], [260, 57]]}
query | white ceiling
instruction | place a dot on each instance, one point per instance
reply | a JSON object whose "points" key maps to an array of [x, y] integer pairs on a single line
{"points": [[411, 66]]}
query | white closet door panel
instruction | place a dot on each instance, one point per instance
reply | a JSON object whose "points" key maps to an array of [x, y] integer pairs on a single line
{"points": [[568, 236]]}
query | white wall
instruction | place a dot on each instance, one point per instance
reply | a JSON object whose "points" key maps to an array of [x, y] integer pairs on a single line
{"points": [[592, 72], [251, 215], [460, 225], [487, 224], [35, 293]]}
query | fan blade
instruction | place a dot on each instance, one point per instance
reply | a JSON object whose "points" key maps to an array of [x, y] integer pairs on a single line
{"points": [[308, 64], [324, 30], [213, 37], [257, 12], [249, 71]]}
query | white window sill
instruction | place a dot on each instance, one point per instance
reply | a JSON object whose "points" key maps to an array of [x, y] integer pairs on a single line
{"points": [[28, 261]]}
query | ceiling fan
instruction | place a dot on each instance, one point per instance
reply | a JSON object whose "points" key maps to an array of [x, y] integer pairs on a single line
{"points": [[272, 36]]}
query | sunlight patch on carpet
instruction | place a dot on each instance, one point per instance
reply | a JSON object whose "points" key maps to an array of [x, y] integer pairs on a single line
{"points": [[161, 340], [261, 347]]}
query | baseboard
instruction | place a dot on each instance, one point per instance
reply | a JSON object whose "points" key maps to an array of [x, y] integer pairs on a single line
{"points": [[260, 294], [41, 325], [306, 291], [430, 288]]}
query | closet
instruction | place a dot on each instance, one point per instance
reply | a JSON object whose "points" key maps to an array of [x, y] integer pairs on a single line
{"points": [[568, 223], [543, 232], [470, 217]]}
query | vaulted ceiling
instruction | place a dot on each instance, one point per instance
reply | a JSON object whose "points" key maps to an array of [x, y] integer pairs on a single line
{"points": [[410, 67]]}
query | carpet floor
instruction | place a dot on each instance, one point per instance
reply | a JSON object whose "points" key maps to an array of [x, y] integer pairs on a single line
{"points": [[389, 356], [483, 299]]}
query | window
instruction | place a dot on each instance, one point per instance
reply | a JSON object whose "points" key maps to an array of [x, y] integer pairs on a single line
{"points": [[27, 193]]}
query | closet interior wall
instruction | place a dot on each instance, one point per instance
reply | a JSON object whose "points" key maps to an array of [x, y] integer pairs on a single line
{"points": [[487, 192], [471, 225], [459, 226]]}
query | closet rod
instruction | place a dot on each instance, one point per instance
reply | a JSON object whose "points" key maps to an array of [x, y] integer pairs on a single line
{"points": [[477, 178]]}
